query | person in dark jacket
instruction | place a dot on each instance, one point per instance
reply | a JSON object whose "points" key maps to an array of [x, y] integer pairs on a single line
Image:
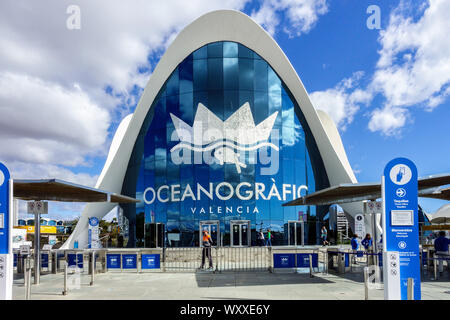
{"points": [[355, 245], [441, 247], [367, 242]]}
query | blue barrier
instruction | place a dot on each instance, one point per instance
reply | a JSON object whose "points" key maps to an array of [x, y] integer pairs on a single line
{"points": [[129, 261], [303, 260], [44, 260], [284, 260], [113, 261], [71, 259], [150, 261], [16, 258]]}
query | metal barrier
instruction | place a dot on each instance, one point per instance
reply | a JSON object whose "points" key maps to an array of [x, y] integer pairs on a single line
{"points": [[243, 259]]}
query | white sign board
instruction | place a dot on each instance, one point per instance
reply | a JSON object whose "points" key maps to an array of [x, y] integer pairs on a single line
{"points": [[40, 207], [372, 207], [360, 227], [24, 250], [402, 217], [392, 275], [94, 233]]}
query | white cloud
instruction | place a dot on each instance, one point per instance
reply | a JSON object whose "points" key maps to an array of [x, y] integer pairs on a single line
{"points": [[414, 64], [388, 120], [343, 101], [301, 15], [45, 123]]}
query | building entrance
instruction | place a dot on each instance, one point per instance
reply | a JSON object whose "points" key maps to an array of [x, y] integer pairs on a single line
{"points": [[213, 228], [296, 233], [240, 233]]}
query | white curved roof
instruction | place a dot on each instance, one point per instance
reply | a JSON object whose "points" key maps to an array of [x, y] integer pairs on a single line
{"points": [[442, 215], [222, 25]]}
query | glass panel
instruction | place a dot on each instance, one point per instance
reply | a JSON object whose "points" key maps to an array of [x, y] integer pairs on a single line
{"points": [[214, 233], [230, 50], [244, 234], [299, 233], [291, 233], [236, 234], [215, 50]]}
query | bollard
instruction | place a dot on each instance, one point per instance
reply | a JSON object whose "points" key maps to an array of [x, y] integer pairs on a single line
{"points": [[163, 256], [269, 259], [410, 288], [217, 260], [138, 262], [435, 268], [366, 283], [28, 280], [310, 266], [25, 280], [65, 279], [92, 268], [29, 285]]}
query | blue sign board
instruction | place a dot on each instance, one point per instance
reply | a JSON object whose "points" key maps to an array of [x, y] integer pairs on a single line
{"points": [[16, 258], [284, 260], [150, 261], [401, 220], [303, 260], [129, 261], [71, 259], [44, 260], [4, 209], [113, 261]]}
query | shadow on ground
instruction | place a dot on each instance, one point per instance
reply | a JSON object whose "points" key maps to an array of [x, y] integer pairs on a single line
{"points": [[237, 279]]}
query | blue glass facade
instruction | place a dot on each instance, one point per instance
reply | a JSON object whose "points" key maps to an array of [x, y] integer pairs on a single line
{"points": [[184, 187]]}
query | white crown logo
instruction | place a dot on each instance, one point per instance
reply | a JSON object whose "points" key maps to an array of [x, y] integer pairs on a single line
{"points": [[238, 132]]}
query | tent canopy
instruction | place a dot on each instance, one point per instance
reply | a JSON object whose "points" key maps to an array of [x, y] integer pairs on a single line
{"points": [[353, 192], [58, 190]]}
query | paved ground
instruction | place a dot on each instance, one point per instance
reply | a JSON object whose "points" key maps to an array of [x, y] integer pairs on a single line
{"points": [[207, 285]]}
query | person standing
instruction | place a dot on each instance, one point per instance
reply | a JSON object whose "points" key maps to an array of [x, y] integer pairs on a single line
{"points": [[441, 247], [260, 238], [206, 251], [367, 244], [323, 235], [269, 238]]}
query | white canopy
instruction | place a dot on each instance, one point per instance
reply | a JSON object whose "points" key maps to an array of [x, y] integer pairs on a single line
{"points": [[442, 215]]}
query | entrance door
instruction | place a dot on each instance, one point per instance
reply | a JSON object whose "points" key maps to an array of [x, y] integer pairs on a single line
{"points": [[213, 228], [240, 233], [295, 233]]}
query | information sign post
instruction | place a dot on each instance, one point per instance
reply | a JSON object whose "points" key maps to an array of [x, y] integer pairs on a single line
{"points": [[6, 214], [401, 229]]}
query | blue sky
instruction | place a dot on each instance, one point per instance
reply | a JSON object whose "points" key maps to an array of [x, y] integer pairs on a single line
{"points": [[387, 89]]}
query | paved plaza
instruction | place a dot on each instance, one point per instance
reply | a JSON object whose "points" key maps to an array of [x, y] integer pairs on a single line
{"points": [[226, 285]]}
